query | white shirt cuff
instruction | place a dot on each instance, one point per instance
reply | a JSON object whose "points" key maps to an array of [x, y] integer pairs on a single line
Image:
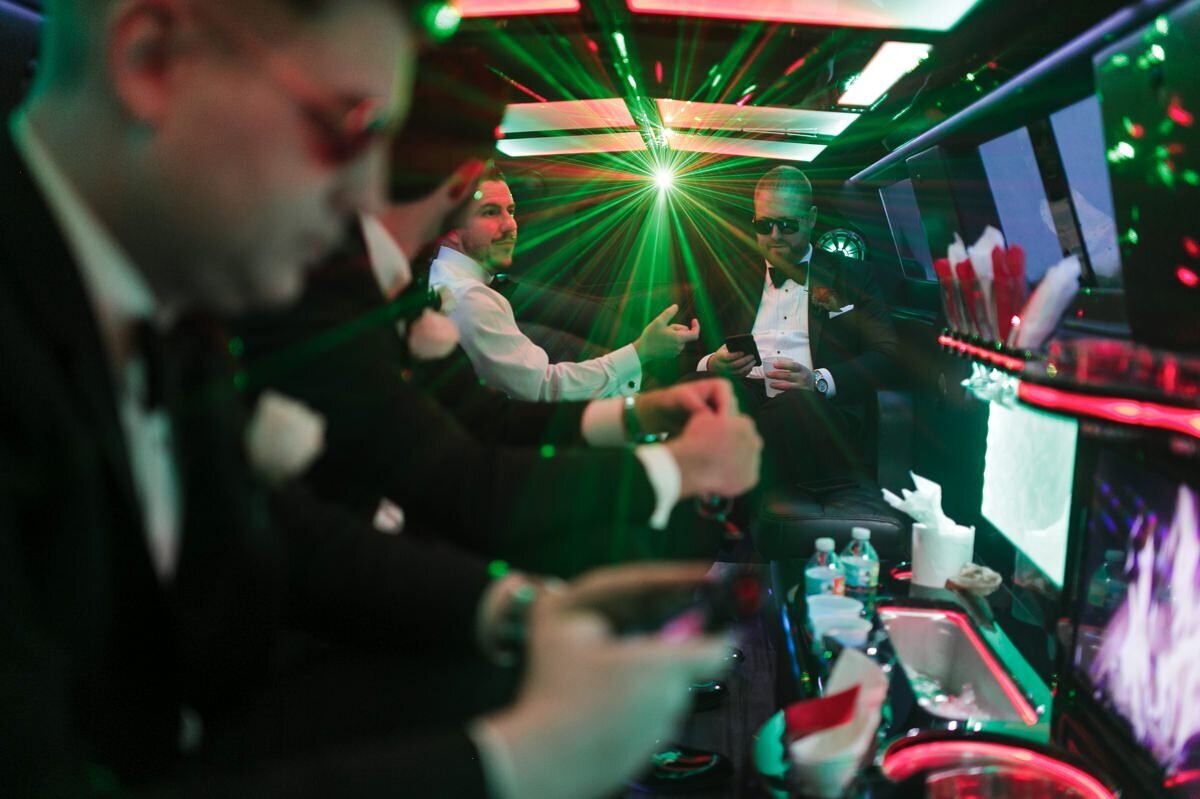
{"points": [[828, 379], [603, 422], [499, 772], [702, 364], [665, 478], [628, 367]]}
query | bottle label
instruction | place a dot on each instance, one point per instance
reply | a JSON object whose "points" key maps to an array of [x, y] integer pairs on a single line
{"points": [[862, 574]]}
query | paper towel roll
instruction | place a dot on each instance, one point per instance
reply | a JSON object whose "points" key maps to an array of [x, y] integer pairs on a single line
{"points": [[939, 554]]}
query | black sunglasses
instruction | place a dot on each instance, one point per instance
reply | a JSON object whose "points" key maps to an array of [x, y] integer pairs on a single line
{"points": [[787, 227]]}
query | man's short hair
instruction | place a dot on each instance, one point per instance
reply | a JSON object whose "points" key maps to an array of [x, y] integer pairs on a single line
{"points": [[493, 173], [457, 106], [785, 180]]}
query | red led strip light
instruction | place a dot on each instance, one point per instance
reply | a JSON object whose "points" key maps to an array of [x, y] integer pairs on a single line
{"points": [[1028, 715], [984, 354], [1114, 409], [915, 758]]}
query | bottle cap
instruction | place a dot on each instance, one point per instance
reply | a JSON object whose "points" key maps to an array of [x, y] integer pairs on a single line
{"points": [[824, 544], [860, 534]]}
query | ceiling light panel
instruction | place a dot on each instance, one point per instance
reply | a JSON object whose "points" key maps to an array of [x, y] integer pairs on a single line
{"points": [[891, 62], [566, 115], [681, 115], [572, 145], [748, 148], [930, 15], [508, 8]]}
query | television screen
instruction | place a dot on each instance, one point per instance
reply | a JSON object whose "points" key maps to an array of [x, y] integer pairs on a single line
{"points": [[904, 218], [1026, 217], [1138, 643], [1027, 478], [1079, 132]]}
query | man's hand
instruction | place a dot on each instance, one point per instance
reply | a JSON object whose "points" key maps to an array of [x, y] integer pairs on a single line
{"points": [[668, 409], [730, 364], [717, 455], [661, 339], [594, 707], [788, 374]]}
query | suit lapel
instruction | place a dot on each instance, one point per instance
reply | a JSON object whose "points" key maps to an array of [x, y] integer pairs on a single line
{"points": [[821, 277], [44, 278]]}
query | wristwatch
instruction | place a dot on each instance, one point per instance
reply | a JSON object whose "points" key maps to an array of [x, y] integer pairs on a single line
{"points": [[821, 385]]}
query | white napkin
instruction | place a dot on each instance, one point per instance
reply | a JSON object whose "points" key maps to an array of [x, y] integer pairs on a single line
{"points": [[1050, 299], [924, 505], [981, 261], [824, 763]]}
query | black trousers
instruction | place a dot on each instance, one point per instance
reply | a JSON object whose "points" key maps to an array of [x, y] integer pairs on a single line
{"points": [[805, 436]]}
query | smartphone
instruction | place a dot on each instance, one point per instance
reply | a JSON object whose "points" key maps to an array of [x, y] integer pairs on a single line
{"points": [[736, 594], [744, 344]]}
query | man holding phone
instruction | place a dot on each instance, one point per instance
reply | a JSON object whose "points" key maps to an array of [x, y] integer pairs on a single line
{"points": [[803, 333]]}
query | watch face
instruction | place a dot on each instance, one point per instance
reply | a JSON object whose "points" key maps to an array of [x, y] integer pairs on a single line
{"points": [[822, 385]]}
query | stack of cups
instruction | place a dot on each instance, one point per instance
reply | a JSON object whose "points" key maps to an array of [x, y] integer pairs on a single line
{"points": [[839, 617]]}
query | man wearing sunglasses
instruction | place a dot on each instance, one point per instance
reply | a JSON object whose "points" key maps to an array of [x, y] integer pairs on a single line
{"points": [[176, 158], [821, 328]]}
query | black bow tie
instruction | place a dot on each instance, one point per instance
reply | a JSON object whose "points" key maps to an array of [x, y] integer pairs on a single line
{"points": [[778, 278]]}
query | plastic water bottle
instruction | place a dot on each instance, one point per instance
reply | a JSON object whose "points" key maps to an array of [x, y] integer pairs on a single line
{"points": [[824, 573], [861, 563]]}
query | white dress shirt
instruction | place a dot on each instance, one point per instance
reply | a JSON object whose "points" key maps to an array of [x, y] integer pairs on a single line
{"points": [[120, 299], [602, 424], [506, 358], [781, 329]]}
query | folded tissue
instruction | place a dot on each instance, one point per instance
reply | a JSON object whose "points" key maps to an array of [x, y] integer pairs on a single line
{"points": [[824, 762]]}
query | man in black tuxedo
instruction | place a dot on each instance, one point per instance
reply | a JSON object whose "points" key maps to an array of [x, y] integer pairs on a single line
{"points": [[503, 477], [178, 157], [822, 330]]}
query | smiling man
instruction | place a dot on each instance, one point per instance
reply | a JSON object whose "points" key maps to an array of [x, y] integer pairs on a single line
{"points": [[821, 328], [504, 356]]}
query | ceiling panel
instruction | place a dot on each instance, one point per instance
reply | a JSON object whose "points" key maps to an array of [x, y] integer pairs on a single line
{"points": [[678, 114], [566, 115], [933, 15], [568, 145], [505, 8], [750, 148]]}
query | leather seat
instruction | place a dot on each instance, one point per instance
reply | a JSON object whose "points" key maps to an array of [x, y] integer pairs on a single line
{"points": [[789, 522]]}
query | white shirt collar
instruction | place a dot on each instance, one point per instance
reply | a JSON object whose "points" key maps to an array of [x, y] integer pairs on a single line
{"points": [[462, 266], [389, 264], [119, 294], [805, 260]]}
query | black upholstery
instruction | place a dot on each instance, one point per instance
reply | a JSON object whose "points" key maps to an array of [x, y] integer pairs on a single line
{"points": [[18, 47], [790, 521]]}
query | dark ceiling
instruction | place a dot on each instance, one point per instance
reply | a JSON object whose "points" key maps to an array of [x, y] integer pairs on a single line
{"points": [[573, 56]]}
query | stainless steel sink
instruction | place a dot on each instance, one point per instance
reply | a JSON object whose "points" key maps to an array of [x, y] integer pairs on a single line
{"points": [[951, 671]]}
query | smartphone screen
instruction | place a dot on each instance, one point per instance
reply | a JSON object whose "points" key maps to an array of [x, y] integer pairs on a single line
{"points": [[745, 345]]}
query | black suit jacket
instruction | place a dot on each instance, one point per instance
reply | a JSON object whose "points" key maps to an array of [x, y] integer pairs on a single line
{"points": [[97, 656], [858, 347], [545, 505]]}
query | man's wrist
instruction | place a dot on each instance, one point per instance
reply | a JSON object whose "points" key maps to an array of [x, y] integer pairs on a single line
{"points": [[506, 612]]}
